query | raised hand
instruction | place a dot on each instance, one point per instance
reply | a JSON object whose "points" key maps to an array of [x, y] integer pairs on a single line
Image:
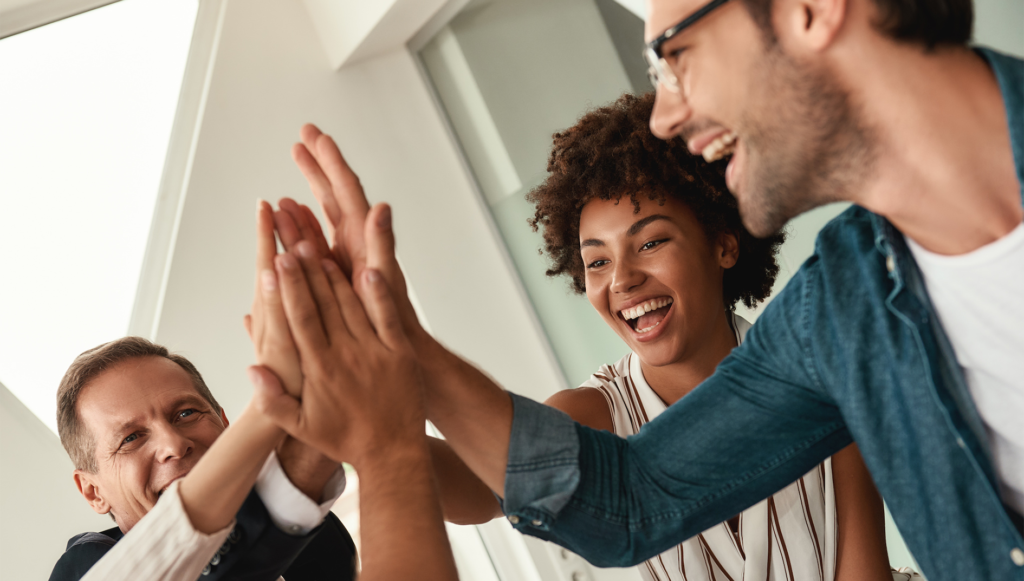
{"points": [[362, 237], [362, 391], [267, 325]]}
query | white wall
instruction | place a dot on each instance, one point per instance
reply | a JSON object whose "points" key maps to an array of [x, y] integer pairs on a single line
{"points": [[40, 507]]}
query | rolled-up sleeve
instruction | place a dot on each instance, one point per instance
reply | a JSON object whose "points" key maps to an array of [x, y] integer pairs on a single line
{"points": [[543, 467]]}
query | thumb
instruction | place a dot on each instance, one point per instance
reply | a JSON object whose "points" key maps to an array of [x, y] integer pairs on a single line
{"points": [[272, 401]]}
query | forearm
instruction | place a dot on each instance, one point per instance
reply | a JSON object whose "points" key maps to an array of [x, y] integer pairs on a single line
{"points": [[400, 513], [215, 489], [472, 411], [465, 499]]}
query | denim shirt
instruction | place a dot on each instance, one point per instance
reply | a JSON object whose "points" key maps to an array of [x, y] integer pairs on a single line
{"points": [[851, 350]]}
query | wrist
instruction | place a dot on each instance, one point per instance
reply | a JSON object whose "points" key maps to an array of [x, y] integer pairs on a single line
{"points": [[305, 467], [393, 458]]}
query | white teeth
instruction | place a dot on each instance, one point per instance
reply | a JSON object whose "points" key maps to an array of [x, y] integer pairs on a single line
{"points": [[722, 145], [648, 329], [647, 307]]}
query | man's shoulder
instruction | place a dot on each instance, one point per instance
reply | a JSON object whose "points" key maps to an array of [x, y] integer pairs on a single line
{"points": [[83, 551]]}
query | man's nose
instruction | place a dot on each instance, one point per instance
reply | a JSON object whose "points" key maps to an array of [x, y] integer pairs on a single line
{"points": [[171, 444], [671, 111]]}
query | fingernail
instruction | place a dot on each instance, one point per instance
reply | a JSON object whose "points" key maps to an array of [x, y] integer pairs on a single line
{"points": [[306, 249], [287, 261], [259, 205], [329, 265], [269, 280], [384, 220], [372, 276]]}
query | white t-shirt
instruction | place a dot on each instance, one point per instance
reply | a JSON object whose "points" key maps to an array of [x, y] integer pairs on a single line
{"points": [[979, 298]]}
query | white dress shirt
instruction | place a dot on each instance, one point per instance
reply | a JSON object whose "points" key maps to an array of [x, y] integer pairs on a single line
{"points": [[164, 546]]}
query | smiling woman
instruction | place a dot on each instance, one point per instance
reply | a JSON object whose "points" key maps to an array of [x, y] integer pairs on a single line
{"points": [[85, 117], [649, 232]]}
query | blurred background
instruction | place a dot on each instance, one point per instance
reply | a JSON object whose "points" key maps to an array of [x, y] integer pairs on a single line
{"points": [[136, 136]]}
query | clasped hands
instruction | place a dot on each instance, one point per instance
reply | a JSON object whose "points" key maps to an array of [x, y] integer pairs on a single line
{"points": [[331, 323]]}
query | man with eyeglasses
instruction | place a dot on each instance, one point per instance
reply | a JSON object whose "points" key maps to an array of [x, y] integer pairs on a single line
{"points": [[903, 332]]}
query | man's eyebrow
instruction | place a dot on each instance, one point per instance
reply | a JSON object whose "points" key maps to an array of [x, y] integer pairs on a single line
{"points": [[644, 222], [192, 399]]}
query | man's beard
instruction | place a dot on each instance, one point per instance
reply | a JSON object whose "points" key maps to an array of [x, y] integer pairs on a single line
{"points": [[805, 142]]}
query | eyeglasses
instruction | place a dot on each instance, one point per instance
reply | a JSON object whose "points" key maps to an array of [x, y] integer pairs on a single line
{"points": [[659, 72]]}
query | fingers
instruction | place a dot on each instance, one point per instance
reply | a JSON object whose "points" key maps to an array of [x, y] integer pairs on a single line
{"points": [[348, 192], [300, 307], [380, 239], [287, 230], [266, 244], [247, 321], [319, 184], [266, 248], [380, 307], [271, 400], [351, 306], [323, 247], [307, 225], [380, 255], [323, 292]]}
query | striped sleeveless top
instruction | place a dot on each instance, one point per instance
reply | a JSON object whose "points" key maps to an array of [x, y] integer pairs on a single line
{"points": [[790, 536]]}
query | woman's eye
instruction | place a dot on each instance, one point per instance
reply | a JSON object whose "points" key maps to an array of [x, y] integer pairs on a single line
{"points": [[651, 244], [131, 438], [597, 264]]}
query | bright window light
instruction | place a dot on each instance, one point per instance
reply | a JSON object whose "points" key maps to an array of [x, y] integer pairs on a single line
{"points": [[86, 108]]}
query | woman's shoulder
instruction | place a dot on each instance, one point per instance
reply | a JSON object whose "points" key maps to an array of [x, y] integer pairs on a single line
{"points": [[590, 403]]}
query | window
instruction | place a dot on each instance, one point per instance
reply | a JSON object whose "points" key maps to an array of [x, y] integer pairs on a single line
{"points": [[85, 117]]}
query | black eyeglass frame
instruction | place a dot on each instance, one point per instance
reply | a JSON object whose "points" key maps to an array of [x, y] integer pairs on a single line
{"points": [[655, 45]]}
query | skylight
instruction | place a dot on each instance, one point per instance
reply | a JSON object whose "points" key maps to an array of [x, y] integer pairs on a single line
{"points": [[86, 108]]}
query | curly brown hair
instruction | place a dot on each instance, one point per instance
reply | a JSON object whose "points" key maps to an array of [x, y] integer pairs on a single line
{"points": [[610, 153]]}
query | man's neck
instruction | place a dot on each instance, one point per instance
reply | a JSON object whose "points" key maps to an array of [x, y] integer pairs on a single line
{"points": [[945, 173]]}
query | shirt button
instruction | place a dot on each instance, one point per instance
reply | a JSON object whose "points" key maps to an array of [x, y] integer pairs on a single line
{"points": [[960, 442], [1017, 556], [513, 519], [536, 523], [890, 263]]}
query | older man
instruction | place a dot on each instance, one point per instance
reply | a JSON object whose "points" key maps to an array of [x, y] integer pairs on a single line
{"points": [[135, 418]]}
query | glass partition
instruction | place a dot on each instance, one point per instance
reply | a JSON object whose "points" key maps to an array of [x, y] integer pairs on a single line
{"points": [[509, 74]]}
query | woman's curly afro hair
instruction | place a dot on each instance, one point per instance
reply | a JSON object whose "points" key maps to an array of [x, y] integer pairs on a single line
{"points": [[611, 152]]}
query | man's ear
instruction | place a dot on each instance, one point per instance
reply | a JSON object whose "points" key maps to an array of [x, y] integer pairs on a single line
{"points": [[809, 26], [727, 251], [89, 490], [224, 417]]}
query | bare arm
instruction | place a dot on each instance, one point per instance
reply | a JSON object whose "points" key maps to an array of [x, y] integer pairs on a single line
{"points": [[465, 499], [860, 551]]}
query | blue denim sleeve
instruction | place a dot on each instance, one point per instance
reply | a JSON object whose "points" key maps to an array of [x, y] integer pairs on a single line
{"points": [[759, 423]]}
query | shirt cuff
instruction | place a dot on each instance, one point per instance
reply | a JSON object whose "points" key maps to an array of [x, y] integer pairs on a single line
{"points": [[543, 463], [290, 510]]}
